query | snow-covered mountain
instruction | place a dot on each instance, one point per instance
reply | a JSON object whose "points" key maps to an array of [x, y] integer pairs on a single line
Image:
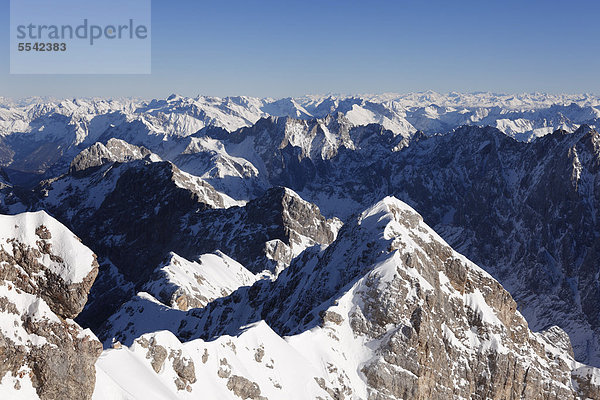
{"points": [[388, 310], [184, 284], [455, 180], [476, 186], [244, 250], [135, 213], [527, 213]]}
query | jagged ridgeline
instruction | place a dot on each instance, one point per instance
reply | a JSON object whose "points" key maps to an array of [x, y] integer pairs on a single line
{"points": [[315, 247]]}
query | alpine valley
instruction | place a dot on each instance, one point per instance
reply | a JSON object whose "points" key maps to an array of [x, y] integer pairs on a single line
{"points": [[380, 247]]}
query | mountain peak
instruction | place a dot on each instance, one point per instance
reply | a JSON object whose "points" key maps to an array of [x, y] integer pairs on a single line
{"points": [[393, 322], [115, 150]]}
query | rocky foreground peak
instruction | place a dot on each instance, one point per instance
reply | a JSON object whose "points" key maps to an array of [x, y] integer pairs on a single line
{"points": [[45, 276], [43, 258], [387, 311]]}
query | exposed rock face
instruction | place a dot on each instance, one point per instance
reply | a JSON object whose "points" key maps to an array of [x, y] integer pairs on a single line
{"points": [[587, 381], [111, 208], [115, 150], [45, 276], [139, 220], [109, 291], [524, 212], [134, 214], [243, 388], [295, 153], [46, 266], [266, 233], [157, 354], [168, 358], [46, 137], [10, 201], [414, 320], [4, 180], [390, 309]]}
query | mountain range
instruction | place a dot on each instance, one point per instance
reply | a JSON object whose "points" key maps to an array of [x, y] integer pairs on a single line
{"points": [[419, 246]]}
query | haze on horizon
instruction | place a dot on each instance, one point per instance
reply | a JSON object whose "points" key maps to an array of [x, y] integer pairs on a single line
{"points": [[277, 49]]}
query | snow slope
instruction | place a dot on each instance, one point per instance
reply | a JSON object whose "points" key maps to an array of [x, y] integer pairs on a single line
{"points": [[75, 261], [184, 284], [45, 275]]}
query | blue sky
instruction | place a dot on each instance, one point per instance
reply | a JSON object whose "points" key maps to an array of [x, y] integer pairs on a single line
{"points": [[289, 48]]}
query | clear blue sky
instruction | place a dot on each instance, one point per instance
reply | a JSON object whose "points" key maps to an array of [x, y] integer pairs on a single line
{"points": [[289, 48]]}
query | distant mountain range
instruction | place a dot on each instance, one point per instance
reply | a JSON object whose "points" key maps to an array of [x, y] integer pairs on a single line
{"points": [[37, 135]]}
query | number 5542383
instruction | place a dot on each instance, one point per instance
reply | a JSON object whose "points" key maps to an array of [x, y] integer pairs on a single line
{"points": [[42, 46]]}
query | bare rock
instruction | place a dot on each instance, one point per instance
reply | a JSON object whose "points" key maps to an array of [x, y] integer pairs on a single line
{"points": [[45, 276], [35, 265], [243, 387], [98, 154]]}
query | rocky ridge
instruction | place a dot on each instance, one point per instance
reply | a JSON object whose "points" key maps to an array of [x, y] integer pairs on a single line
{"points": [[184, 284], [388, 311], [45, 277], [136, 212], [541, 195]]}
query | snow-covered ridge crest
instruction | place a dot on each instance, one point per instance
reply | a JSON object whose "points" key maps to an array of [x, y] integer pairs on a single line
{"points": [[47, 136], [62, 253], [183, 116], [388, 214], [184, 284], [402, 226]]}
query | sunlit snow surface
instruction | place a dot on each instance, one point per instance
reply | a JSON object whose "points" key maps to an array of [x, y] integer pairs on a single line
{"points": [[76, 258]]}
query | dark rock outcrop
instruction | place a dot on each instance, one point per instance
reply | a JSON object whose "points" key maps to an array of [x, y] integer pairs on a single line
{"points": [[265, 234]]}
